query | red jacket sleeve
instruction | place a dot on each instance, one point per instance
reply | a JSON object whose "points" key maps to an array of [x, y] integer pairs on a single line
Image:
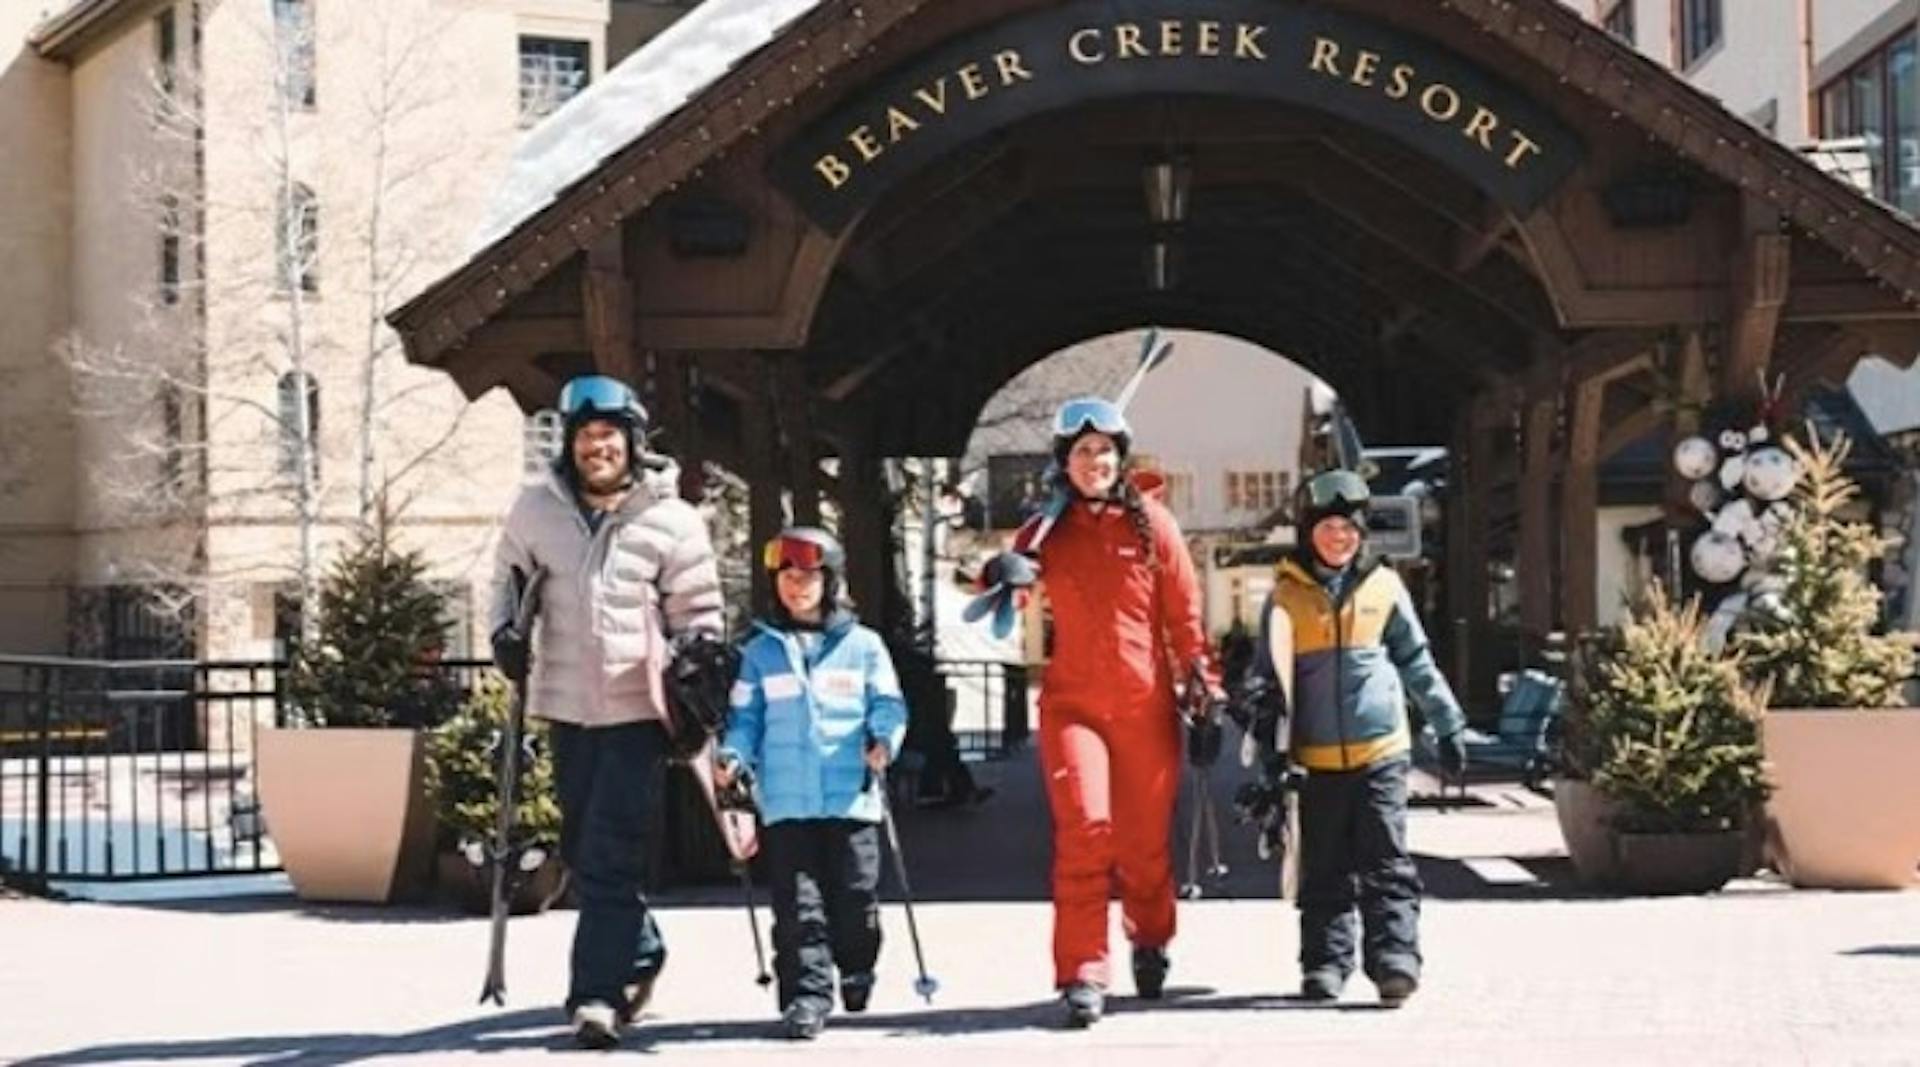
{"points": [[1180, 602]]}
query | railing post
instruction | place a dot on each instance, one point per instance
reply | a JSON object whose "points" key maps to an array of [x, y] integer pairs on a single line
{"points": [[43, 800], [1015, 730]]}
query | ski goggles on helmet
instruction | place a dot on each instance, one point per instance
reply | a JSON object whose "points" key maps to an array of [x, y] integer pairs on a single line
{"points": [[1340, 489], [1089, 413], [788, 550], [598, 395]]}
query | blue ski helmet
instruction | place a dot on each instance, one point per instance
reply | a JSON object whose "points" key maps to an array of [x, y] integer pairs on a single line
{"points": [[1089, 414]]}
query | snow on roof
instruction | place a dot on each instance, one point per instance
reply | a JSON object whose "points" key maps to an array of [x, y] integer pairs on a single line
{"points": [[1888, 394], [631, 99]]}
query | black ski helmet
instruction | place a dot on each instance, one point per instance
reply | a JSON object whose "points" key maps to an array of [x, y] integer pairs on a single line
{"points": [[1332, 492], [592, 397], [1089, 414]]}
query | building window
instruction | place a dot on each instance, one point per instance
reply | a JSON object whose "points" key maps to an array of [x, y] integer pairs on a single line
{"points": [[286, 618], [169, 249], [173, 438], [1619, 20], [1256, 491], [552, 71], [297, 240], [1874, 101], [164, 51], [457, 614], [149, 622], [1179, 494], [1696, 28], [540, 440], [294, 39], [291, 440]]}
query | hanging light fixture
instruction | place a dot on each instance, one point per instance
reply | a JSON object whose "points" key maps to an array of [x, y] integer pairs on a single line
{"points": [[1169, 180], [1163, 265]]}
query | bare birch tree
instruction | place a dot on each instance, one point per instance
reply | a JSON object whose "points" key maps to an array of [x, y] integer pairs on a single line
{"points": [[218, 389], [167, 399]]}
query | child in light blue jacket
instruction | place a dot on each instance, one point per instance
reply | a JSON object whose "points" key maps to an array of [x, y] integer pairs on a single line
{"points": [[817, 716]]}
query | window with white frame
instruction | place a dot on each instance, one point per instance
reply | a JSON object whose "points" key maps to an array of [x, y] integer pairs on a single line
{"points": [[540, 441], [292, 443], [165, 50], [1257, 491], [1619, 20], [1878, 101], [297, 240], [1179, 493], [293, 39], [553, 70], [1697, 29], [173, 438], [169, 249]]}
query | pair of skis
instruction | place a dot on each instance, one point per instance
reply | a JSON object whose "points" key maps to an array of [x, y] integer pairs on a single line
{"points": [[504, 851], [1282, 840]]}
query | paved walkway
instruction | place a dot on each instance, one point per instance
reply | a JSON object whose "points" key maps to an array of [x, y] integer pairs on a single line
{"points": [[1521, 969]]}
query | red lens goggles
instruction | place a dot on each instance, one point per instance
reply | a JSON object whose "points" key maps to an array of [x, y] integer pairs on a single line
{"points": [[784, 552]]}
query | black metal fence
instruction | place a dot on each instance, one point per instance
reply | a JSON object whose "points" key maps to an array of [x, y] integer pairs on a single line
{"points": [[115, 770], [128, 769], [989, 705]]}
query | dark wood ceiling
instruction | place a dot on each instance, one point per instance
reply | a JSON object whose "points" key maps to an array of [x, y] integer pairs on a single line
{"points": [[1328, 246]]}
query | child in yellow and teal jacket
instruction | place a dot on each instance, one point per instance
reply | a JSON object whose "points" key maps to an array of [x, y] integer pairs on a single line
{"points": [[1358, 652]]}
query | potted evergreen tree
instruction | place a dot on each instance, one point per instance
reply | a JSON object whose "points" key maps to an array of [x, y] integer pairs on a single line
{"points": [[1839, 742], [1671, 733], [462, 779], [1585, 814], [343, 785]]}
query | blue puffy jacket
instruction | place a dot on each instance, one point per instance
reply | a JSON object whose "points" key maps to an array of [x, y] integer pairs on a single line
{"points": [[802, 722]]}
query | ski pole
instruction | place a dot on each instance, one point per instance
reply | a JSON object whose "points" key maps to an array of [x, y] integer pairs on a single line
{"points": [[925, 985], [1203, 750], [1206, 822], [762, 979], [737, 795]]}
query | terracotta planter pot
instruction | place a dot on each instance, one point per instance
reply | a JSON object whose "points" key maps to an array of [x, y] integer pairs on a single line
{"points": [[1846, 797], [1676, 863], [1584, 822], [471, 888], [347, 811]]}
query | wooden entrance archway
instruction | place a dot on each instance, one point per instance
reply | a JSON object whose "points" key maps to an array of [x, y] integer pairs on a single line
{"points": [[1486, 222]]}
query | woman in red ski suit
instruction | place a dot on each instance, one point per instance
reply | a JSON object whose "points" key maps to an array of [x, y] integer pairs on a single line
{"points": [[1126, 616]]}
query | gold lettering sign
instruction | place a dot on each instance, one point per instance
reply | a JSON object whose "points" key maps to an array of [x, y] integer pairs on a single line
{"points": [[1438, 101], [929, 103], [1396, 81]]}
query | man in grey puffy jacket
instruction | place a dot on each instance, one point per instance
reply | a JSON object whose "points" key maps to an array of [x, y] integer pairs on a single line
{"points": [[631, 567]]}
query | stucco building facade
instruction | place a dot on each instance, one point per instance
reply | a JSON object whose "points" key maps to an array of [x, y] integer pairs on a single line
{"points": [[175, 171]]}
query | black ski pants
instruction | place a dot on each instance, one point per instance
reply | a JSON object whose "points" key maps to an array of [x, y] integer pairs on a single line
{"points": [[1353, 853], [825, 876], [606, 779]]}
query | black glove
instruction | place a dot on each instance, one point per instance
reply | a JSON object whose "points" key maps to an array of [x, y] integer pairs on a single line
{"points": [[1453, 755], [1203, 740], [737, 794], [512, 655], [698, 681]]}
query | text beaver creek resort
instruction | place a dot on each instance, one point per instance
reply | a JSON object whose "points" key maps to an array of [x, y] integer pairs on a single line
{"points": [[1392, 81]]}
